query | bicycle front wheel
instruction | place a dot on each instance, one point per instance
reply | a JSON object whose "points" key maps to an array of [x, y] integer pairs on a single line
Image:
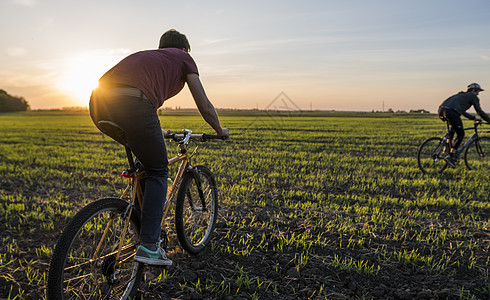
{"points": [[196, 209], [85, 263], [430, 156], [477, 154]]}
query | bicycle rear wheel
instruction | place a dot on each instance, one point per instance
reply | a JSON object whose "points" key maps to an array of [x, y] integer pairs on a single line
{"points": [[430, 156], [196, 211], [77, 272], [477, 154]]}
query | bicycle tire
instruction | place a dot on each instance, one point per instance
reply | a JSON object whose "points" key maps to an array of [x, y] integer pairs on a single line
{"points": [[195, 225], [477, 154], [430, 156], [72, 272]]}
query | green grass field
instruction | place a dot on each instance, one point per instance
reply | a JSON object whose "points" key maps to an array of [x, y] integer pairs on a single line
{"points": [[313, 206]]}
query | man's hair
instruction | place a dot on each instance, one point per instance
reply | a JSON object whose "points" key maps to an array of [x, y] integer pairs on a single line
{"points": [[174, 39]]}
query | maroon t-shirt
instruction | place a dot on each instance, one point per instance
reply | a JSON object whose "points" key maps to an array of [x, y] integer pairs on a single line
{"points": [[160, 73]]}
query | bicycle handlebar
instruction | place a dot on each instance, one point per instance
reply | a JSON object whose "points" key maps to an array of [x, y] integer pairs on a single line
{"points": [[178, 137], [206, 136], [476, 124], [480, 121]]}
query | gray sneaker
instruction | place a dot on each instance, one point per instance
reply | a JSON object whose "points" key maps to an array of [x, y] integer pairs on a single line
{"points": [[450, 161], [157, 257]]}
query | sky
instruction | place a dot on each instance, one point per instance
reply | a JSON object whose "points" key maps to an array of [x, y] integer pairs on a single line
{"points": [[352, 55]]}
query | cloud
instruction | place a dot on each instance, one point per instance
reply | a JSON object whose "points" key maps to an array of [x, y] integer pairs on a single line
{"points": [[15, 51], [25, 2], [484, 57], [212, 41], [18, 79]]}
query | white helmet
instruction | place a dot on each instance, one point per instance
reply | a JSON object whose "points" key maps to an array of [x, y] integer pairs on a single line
{"points": [[475, 86]]}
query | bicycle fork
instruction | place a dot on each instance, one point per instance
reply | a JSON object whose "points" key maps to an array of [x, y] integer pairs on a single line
{"points": [[197, 180], [479, 148]]}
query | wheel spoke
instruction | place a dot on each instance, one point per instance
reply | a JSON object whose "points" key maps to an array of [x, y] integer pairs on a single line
{"points": [[74, 274], [475, 157], [431, 155], [196, 214]]}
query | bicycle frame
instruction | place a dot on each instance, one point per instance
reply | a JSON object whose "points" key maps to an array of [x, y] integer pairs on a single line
{"points": [[95, 253], [447, 140], [474, 136], [183, 158], [433, 154], [136, 194]]}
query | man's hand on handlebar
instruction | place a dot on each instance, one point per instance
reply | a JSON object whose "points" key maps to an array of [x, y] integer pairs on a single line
{"points": [[224, 133]]}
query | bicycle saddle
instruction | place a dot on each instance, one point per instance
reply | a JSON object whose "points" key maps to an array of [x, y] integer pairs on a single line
{"points": [[113, 130]]}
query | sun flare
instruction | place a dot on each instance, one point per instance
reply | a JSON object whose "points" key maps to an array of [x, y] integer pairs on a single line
{"points": [[81, 73]]}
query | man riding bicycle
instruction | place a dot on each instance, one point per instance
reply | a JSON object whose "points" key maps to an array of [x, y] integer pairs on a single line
{"points": [[129, 95], [452, 109]]}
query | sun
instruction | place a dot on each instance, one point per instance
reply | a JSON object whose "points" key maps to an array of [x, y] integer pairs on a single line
{"points": [[80, 74]]}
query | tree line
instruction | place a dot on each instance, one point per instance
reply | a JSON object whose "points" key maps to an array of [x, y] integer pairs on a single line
{"points": [[10, 103]]}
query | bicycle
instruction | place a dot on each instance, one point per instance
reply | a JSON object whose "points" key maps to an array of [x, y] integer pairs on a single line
{"points": [[93, 258], [431, 154]]}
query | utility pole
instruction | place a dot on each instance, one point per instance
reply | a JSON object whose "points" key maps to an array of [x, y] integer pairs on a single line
{"points": [[383, 106]]}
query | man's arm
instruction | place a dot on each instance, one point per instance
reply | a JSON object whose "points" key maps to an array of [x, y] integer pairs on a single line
{"points": [[480, 111], [469, 116], [205, 106]]}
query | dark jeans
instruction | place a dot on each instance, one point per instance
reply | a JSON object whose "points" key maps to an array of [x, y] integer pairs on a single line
{"points": [[139, 119], [454, 119]]}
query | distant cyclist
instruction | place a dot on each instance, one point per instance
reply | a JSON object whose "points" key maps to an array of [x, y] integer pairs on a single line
{"points": [[452, 109]]}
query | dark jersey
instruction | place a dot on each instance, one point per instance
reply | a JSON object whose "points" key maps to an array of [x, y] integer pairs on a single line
{"points": [[462, 101]]}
